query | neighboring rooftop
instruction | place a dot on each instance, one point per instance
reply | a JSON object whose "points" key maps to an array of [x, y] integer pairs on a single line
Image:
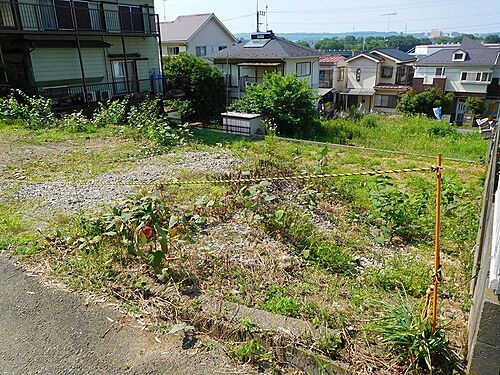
{"points": [[395, 54], [183, 28], [476, 53], [331, 59], [266, 46], [367, 55]]}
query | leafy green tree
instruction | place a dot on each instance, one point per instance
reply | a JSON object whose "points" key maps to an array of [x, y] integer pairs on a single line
{"points": [[202, 85], [424, 102], [492, 39], [304, 43], [286, 101], [475, 106]]}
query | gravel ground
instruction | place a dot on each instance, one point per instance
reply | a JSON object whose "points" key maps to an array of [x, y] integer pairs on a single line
{"points": [[68, 198], [46, 330]]}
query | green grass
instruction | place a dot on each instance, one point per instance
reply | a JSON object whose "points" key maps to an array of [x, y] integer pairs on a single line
{"points": [[332, 286], [405, 133]]}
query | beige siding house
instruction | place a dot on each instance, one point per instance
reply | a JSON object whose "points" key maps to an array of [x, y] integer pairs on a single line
{"points": [[377, 79], [199, 34], [246, 63], [80, 52]]}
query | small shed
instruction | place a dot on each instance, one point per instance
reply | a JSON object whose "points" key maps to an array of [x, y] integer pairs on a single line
{"points": [[243, 123]]}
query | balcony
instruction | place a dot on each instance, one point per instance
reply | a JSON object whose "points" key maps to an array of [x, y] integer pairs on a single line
{"points": [[70, 96], [78, 17]]}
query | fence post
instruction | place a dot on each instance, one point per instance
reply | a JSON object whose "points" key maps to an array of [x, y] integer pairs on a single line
{"points": [[437, 260]]}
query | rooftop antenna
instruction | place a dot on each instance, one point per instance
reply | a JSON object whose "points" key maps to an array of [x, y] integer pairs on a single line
{"points": [[267, 23], [259, 14], [388, 15], [164, 10]]}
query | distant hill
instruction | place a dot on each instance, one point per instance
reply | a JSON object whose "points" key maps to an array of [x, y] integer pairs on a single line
{"points": [[319, 36]]}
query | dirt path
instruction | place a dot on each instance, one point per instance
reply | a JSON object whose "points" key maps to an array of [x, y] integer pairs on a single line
{"points": [[49, 331]]}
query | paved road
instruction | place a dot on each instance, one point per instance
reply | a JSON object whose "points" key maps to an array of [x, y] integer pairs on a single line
{"points": [[46, 330]]}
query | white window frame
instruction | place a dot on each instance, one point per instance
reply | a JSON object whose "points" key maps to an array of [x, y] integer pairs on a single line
{"points": [[484, 77], [173, 51], [303, 69], [201, 51], [457, 53], [442, 70]]}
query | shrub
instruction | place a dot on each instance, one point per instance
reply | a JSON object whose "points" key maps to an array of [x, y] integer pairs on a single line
{"points": [[369, 121], [442, 129], [354, 114], [412, 103], [34, 112], [397, 213], [77, 122], [110, 113], [410, 337], [184, 108], [339, 131], [286, 101], [202, 85], [475, 106], [145, 115]]}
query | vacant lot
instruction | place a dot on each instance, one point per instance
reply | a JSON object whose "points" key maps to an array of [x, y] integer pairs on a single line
{"points": [[333, 252]]}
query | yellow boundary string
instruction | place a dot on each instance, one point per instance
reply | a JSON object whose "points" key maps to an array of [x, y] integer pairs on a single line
{"points": [[226, 180]]}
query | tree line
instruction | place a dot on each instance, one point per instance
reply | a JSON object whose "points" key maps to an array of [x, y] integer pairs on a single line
{"points": [[402, 42]]}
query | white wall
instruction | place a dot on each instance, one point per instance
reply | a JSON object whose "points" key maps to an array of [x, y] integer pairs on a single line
{"points": [[369, 72], [313, 79], [454, 75], [212, 36]]}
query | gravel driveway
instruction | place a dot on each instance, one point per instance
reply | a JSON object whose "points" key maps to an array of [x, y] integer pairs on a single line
{"points": [[67, 198]]}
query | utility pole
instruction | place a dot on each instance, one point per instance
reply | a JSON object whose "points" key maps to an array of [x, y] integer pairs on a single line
{"points": [[165, 10], [388, 15]]}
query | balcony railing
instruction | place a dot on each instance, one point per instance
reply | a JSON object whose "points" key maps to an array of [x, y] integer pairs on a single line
{"points": [[75, 95], [85, 17]]}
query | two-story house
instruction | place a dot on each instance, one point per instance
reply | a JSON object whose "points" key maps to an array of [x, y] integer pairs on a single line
{"points": [[471, 69], [332, 80], [376, 79], [78, 52], [199, 34], [246, 63]]}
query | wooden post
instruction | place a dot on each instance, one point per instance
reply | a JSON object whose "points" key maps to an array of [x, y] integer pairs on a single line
{"points": [[437, 260]]}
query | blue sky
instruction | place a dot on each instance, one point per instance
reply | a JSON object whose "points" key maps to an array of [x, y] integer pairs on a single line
{"points": [[344, 16]]}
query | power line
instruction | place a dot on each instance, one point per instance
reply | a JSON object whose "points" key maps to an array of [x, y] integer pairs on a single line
{"points": [[398, 6], [397, 20]]}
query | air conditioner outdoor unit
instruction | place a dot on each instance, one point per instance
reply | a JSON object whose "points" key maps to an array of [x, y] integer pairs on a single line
{"points": [[105, 95], [91, 97]]}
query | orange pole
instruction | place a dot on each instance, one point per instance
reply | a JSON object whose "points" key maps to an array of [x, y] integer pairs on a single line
{"points": [[437, 260]]}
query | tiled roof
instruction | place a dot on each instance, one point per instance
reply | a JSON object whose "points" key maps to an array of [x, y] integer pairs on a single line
{"points": [[184, 27], [391, 86], [477, 53], [276, 48], [395, 53], [331, 59]]}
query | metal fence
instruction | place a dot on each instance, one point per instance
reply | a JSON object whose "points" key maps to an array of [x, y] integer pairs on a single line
{"points": [[82, 16]]}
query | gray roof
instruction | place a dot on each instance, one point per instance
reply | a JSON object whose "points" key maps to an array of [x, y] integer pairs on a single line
{"points": [[395, 53], [276, 48], [184, 27], [477, 54]]}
